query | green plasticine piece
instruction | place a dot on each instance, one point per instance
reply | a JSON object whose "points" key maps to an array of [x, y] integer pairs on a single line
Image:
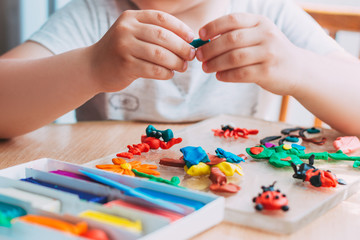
{"points": [[174, 180], [320, 155], [276, 161], [265, 154], [198, 43], [339, 155], [4, 220], [356, 164]]}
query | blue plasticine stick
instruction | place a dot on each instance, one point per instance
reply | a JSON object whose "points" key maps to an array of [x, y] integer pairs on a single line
{"points": [[171, 198], [198, 43], [134, 193]]}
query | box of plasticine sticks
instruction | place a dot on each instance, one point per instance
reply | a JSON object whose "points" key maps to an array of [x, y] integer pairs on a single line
{"points": [[50, 199]]}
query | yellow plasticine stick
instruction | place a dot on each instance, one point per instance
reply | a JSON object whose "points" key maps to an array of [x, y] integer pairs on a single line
{"points": [[114, 220]]}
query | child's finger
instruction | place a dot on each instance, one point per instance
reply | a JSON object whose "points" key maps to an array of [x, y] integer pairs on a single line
{"points": [[167, 21], [247, 74], [167, 39], [152, 71], [229, 41], [234, 59], [228, 23], [158, 55]]}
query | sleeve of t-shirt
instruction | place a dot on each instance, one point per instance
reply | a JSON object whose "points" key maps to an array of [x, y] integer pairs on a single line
{"points": [[76, 25]]}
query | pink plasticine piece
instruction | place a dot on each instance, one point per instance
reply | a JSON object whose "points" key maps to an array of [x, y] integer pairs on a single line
{"points": [[347, 144], [160, 212]]}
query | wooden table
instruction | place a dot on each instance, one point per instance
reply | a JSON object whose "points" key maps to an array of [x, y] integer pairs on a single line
{"points": [[86, 141]]}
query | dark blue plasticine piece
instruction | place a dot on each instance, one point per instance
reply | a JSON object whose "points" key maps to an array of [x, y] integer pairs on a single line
{"points": [[82, 195], [198, 43]]}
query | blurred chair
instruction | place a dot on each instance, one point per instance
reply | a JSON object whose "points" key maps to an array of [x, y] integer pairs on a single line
{"points": [[333, 18]]}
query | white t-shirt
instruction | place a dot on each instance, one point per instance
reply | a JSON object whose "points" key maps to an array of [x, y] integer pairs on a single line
{"points": [[190, 96]]}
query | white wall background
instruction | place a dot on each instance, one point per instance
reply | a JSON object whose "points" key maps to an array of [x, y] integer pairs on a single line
{"points": [[35, 12]]}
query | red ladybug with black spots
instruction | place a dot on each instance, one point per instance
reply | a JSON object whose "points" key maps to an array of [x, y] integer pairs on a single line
{"points": [[270, 199], [316, 177]]}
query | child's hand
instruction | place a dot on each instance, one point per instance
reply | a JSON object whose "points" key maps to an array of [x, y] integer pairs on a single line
{"points": [[249, 48], [141, 44]]}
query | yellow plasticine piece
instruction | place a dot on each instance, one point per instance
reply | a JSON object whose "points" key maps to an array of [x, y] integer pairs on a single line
{"points": [[238, 169], [286, 147], [198, 170], [113, 220], [226, 168], [229, 169]]}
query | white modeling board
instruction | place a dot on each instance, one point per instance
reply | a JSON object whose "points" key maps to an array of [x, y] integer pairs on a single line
{"points": [[305, 201]]}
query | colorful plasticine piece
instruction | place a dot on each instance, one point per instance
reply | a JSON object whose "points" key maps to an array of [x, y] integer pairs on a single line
{"points": [[197, 162], [282, 156], [134, 226], [166, 135], [9, 212], [151, 141], [270, 199], [155, 211], [230, 157], [174, 180], [120, 166], [194, 155], [172, 162], [198, 42], [219, 182], [295, 139], [347, 144], [79, 229], [316, 177], [230, 131]]}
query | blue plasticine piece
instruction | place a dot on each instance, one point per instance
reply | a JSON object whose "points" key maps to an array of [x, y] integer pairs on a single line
{"points": [[132, 192], [198, 42], [230, 157], [171, 198], [82, 195], [194, 155], [166, 135], [299, 147], [8, 212]]}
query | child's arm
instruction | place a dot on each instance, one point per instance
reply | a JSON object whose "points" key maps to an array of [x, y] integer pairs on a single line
{"points": [[250, 48], [37, 87]]}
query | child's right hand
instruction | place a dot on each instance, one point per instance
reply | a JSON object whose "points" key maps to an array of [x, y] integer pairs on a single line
{"points": [[141, 44]]}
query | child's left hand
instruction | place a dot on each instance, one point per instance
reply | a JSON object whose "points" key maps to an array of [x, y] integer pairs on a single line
{"points": [[250, 48]]}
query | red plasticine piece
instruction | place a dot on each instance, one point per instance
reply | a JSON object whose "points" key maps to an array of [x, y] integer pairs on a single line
{"points": [[154, 143], [172, 162], [169, 144], [288, 158], [235, 132], [125, 155], [215, 160], [220, 182], [256, 150]]}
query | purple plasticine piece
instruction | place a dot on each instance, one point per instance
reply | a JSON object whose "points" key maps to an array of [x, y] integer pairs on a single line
{"points": [[72, 175], [269, 145]]}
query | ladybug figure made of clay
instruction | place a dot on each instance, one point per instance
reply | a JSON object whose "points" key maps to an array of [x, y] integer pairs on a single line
{"points": [[316, 177], [271, 199]]}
